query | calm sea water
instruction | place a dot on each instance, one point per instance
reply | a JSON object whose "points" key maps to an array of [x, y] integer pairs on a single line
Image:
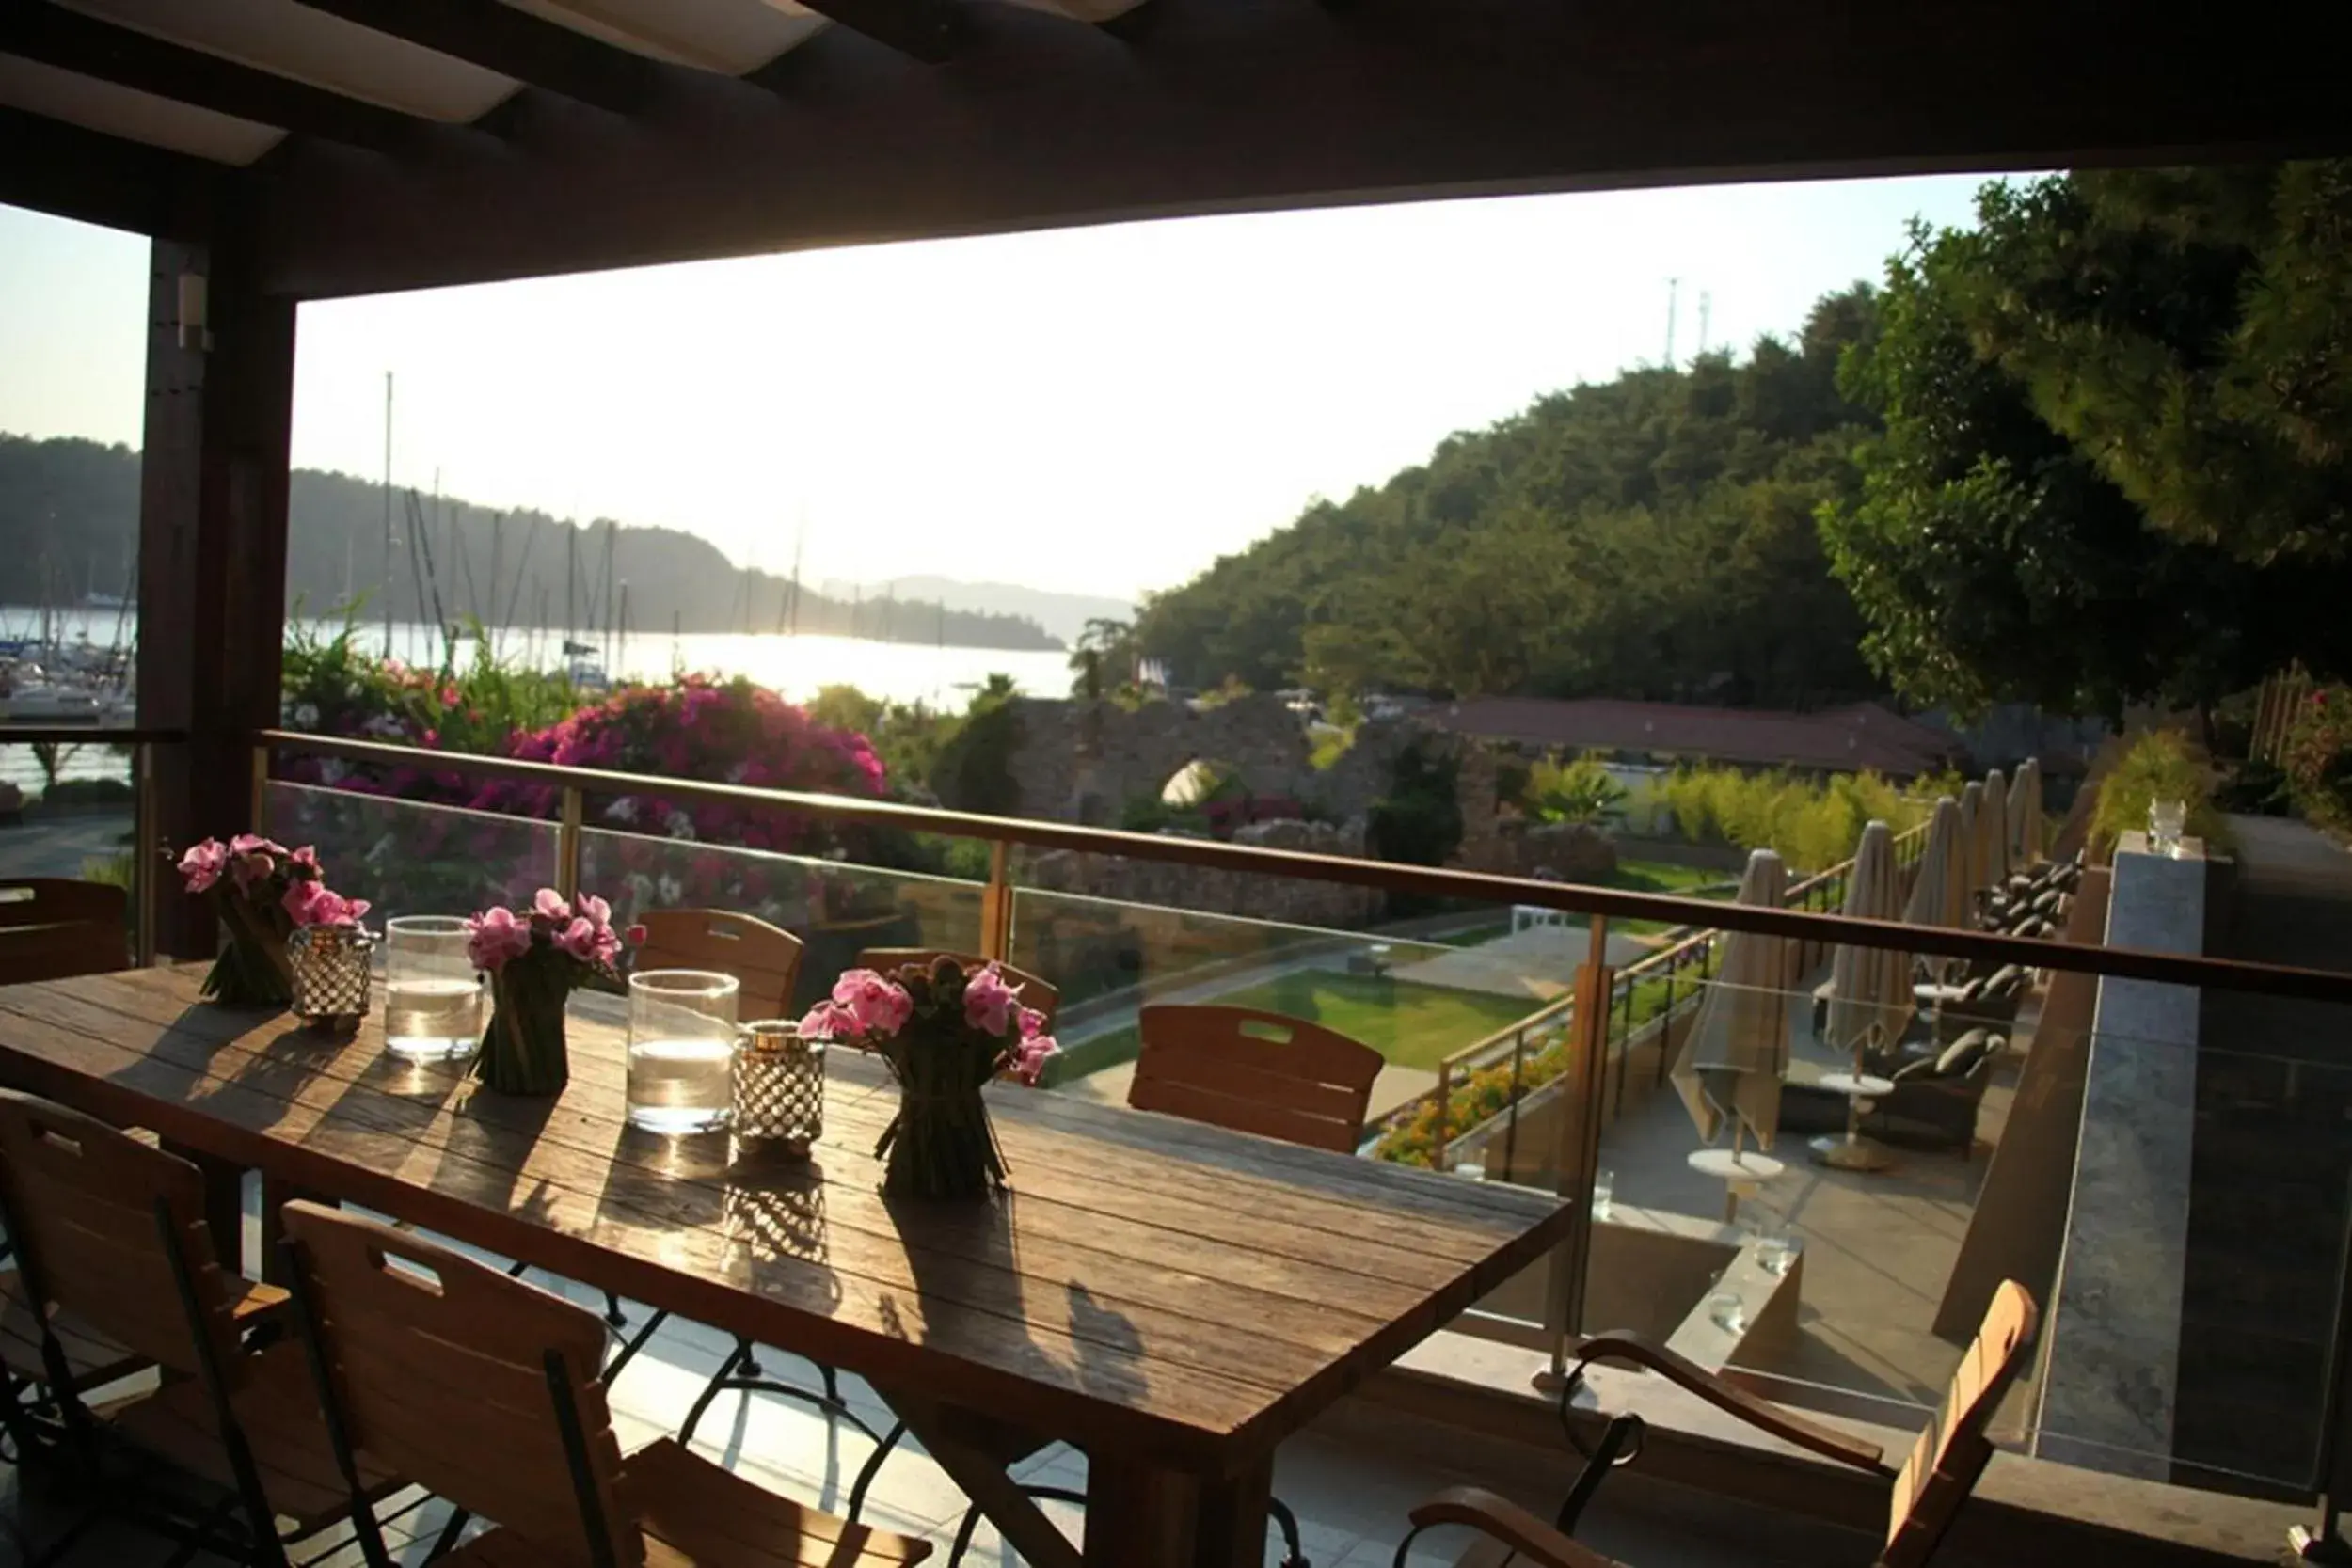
{"points": [[796, 666]]}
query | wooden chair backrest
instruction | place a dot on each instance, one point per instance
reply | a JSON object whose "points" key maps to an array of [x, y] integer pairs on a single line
{"points": [[439, 1370], [1036, 992], [52, 927], [765, 959], [1255, 1073], [82, 1207], [1953, 1451]]}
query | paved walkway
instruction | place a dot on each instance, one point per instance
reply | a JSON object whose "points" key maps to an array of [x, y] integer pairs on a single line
{"points": [[1538, 964], [59, 845]]}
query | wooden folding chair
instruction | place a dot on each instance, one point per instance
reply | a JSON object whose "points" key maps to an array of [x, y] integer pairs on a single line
{"points": [[1944, 1462], [1255, 1072], [112, 1229], [489, 1391], [51, 928]]}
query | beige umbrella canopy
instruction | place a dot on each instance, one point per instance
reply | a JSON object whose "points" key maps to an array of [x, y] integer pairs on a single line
{"points": [[1992, 856], [1939, 893], [1742, 1032], [1971, 862], [2025, 815], [1871, 986]]}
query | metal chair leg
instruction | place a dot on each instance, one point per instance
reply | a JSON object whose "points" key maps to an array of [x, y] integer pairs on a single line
{"points": [[1293, 1554], [711, 1390]]}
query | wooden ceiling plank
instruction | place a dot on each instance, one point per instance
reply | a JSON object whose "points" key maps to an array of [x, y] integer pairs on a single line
{"points": [[50, 166], [930, 30], [72, 42], [513, 43]]}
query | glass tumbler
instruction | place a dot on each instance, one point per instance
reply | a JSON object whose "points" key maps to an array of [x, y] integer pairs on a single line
{"points": [[682, 1050], [432, 995], [2166, 821]]}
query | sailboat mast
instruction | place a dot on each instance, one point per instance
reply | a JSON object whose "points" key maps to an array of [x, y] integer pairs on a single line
{"points": [[388, 515]]}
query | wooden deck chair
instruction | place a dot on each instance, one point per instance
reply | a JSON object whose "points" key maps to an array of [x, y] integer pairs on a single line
{"points": [[1255, 1072], [112, 1229], [52, 927], [1036, 992], [765, 962], [489, 1391], [741, 1372], [1248, 1072], [1941, 1470]]}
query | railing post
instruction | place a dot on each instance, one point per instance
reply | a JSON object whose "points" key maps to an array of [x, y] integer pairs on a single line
{"points": [[146, 854], [996, 905], [1438, 1136], [567, 837], [1576, 1156], [1511, 1128], [257, 804], [2322, 1540]]}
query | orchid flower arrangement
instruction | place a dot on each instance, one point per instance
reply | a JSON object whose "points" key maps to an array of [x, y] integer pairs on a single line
{"points": [[535, 957], [945, 1030], [262, 891]]}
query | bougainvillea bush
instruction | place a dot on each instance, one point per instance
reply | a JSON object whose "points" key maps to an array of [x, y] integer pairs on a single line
{"points": [[2319, 757]]}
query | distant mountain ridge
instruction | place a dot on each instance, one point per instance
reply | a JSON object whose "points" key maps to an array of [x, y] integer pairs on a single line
{"points": [[1064, 615], [68, 524]]}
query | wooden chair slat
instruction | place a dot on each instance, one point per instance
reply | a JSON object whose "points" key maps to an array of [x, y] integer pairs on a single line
{"points": [[54, 927], [58, 901], [92, 1357], [1255, 1072], [1952, 1449], [380, 1321], [764, 958], [1036, 990]]}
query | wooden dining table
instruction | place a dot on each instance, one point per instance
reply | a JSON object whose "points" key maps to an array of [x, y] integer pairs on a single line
{"points": [[1174, 1299]]}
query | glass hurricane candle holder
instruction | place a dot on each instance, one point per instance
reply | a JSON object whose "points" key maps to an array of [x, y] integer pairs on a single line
{"points": [[682, 1050], [432, 995]]}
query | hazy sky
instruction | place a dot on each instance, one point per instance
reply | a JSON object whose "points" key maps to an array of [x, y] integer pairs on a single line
{"points": [[1097, 409]]}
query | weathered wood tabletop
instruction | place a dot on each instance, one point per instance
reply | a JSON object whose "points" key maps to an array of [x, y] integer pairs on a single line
{"points": [[1172, 1298]]}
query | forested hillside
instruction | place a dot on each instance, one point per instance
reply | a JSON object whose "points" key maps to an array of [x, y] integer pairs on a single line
{"points": [[68, 517], [1651, 536]]}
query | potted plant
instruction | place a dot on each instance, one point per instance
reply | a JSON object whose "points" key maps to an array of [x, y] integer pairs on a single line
{"points": [[261, 889]]}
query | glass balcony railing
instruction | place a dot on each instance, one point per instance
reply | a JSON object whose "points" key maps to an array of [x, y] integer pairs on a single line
{"points": [[2177, 1200]]}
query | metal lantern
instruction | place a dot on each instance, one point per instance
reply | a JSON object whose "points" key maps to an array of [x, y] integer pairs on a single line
{"points": [[328, 965], [779, 1086]]}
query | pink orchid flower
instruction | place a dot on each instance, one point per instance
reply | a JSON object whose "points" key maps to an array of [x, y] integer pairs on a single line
{"points": [[494, 935], [1028, 1060], [550, 903], [579, 939], [598, 911], [203, 863], [308, 859], [1032, 1023], [832, 1021], [879, 1005], [988, 1002]]}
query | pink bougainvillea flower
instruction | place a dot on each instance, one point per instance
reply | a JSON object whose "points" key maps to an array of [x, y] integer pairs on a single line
{"points": [[494, 935], [203, 863], [988, 1002], [550, 903]]}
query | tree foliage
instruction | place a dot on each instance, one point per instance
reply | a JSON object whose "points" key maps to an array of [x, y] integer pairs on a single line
{"points": [[1997, 556], [1650, 536]]}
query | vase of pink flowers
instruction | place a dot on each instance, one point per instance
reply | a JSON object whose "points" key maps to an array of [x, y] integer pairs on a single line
{"points": [[946, 1030], [536, 958], [327, 956], [264, 892]]}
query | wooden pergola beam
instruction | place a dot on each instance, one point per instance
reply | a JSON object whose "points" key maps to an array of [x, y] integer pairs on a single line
{"points": [[1236, 105], [927, 30], [51, 167], [513, 43], [37, 30]]}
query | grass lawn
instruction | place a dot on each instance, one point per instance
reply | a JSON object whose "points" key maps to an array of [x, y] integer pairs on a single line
{"points": [[1412, 1025], [1409, 1024]]}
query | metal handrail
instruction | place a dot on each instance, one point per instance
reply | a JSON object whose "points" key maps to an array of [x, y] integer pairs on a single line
{"points": [[1389, 876]]}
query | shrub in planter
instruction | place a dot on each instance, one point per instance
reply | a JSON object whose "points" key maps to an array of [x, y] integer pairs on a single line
{"points": [[2319, 757]]}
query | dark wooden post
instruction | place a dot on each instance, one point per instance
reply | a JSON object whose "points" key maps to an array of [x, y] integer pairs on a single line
{"points": [[212, 548]]}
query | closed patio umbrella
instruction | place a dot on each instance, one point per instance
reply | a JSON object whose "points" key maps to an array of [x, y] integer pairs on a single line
{"points": [[1939, 893], [1971, 853], [2024, 816], [1741, 1031], [1993, 834], [1871, 997], [1869, 986]]}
